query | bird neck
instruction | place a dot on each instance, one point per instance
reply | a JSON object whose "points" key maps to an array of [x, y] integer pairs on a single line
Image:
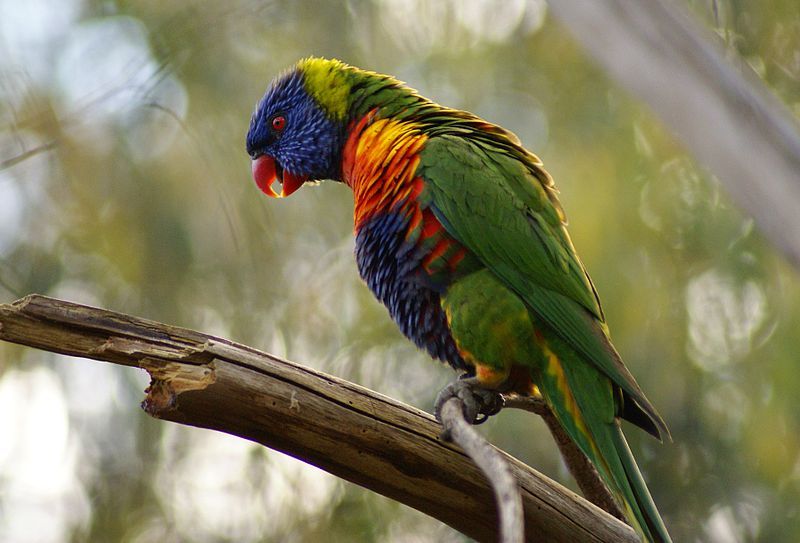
{"points": [[379, 163]]}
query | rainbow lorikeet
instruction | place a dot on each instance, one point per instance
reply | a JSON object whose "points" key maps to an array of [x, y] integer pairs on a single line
{"points": [[459, 232]]}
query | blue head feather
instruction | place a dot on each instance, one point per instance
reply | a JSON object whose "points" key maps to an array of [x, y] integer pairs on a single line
{"points": [[311, 142]]}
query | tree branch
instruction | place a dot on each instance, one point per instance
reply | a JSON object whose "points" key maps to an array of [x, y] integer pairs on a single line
{"points": [[345, 429], [493, 465], [579, 466], [713, 101]]}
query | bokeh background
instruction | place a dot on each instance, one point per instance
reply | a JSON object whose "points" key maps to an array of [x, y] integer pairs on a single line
{"points": [[124, 184]]}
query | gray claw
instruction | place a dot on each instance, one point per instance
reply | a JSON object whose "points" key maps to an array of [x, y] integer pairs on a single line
{"points": [[479, 403]]}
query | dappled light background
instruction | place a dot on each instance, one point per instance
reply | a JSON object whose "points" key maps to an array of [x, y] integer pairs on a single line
{"points": [[124, 183]]}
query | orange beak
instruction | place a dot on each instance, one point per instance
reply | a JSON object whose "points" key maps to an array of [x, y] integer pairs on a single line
{"points": [[266, 172]]}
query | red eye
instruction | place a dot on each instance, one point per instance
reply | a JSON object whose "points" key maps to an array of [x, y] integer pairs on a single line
{"points": [[278, 123]]}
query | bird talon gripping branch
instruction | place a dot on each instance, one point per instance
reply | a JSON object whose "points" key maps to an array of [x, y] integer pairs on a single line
{"points": [[478, 403]]}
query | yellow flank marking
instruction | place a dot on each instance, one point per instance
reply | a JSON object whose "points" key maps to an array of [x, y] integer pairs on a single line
{"points": [[489, 376], [555, 370], [447, 312]]}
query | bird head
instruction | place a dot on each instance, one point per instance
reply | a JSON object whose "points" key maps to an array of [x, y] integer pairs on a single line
{"points": [[297, 129]]}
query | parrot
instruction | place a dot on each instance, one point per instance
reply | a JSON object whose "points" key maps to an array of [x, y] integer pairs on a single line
{"points": [[459, 232]]}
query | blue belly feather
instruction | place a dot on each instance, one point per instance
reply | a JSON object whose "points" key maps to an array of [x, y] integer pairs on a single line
{"points": [[392, 269]]}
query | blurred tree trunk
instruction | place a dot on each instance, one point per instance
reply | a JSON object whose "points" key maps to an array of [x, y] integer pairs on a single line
{"points": [[713, 101]]}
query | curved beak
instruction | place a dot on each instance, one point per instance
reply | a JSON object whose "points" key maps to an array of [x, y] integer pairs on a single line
{"points": [[266, 171]]}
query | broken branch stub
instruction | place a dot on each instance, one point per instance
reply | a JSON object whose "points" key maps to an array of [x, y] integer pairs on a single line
{"points": [[169, 380]]}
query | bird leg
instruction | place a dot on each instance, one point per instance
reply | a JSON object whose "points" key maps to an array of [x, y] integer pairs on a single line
{"points": [[478, 403]]}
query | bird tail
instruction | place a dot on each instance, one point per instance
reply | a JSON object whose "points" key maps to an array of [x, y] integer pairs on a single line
{"points": [[630, 489], [583, 401]]}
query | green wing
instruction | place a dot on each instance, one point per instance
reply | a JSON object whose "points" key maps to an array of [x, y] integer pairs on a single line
{"points": [[498, 203]]}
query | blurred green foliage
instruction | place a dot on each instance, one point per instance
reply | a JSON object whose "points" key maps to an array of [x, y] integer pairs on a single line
{"points": [[137, 196]]}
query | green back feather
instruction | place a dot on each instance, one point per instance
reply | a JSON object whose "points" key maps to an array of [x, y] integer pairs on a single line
{"points": [[491, 202]]}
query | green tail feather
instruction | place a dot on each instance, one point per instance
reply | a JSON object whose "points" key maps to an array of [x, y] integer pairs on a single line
{"points": [[610, 454], [644, 509], [583, 400]]}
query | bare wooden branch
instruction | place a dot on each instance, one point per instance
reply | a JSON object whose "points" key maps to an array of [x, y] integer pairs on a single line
{"points": [[709, 97], [578, 464], [493, 465], [345, 429]]}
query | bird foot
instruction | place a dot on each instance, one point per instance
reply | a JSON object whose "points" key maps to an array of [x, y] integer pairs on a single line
{"points": [[478, 403]]}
